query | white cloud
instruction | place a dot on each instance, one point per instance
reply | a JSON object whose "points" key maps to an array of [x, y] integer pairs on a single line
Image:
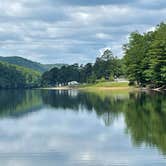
{"points": [[151, 29], [103, 36], [43, 29]]}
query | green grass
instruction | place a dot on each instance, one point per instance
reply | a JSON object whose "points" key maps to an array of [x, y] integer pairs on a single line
{"points": [[108, 88], [106, 84], [111, 84]]}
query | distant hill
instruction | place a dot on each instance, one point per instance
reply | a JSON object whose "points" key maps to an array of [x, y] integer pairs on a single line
{"points": [[14, 76], [29, 64]]}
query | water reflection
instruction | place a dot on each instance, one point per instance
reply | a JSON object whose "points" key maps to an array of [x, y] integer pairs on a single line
{"points": [[18, 102], [145, 117], [66, 128]]}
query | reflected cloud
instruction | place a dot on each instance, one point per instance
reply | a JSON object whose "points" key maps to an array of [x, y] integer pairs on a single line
{"points": [[66, 129]]}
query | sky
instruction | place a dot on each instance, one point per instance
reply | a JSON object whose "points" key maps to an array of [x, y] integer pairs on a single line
{"points": [[73, 31]]}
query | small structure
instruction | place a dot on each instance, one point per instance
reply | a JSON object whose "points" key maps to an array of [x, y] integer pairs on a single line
{"points": [[73, 83]]}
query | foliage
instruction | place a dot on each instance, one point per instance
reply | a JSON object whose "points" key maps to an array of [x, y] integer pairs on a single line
{"points": [[145, 57], [13, 76], [29, 64], [106, 67]]}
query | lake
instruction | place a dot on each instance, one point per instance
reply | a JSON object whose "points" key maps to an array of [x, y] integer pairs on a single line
{"points": [[66, 128]]}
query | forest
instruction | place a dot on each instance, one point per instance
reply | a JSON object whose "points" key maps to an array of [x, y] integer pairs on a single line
{"points": [[14, 77], [143, 64], [106, 67], [145, 58]]}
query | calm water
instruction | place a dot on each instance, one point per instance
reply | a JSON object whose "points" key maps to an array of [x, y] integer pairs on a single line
{"points": [[48, 128]]}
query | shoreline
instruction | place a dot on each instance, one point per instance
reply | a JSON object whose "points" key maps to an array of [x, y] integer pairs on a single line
{"points": [[129, 88], [58, 88], [89, 88]]}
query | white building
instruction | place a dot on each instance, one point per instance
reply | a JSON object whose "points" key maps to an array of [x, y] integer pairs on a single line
{"points": [[73, 83]]}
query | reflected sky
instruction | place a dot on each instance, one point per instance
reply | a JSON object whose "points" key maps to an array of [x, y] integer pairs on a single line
{"points": [[54, 135]]}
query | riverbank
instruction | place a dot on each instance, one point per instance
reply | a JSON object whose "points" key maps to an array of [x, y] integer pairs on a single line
{"points": [[110, 86], [97, 86], [58, 88]]}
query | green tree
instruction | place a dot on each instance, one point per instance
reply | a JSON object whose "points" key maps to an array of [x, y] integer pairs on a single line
{"points": [[145, 57]]}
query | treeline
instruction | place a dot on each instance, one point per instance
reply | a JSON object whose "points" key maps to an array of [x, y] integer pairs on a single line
{"points": [[144, 64], [145, 58], [13, 77], [106, 67]]}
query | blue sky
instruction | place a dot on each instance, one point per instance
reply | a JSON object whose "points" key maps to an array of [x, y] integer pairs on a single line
{"points": [[73, 31]]}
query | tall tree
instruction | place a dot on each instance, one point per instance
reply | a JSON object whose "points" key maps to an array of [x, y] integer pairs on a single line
{"points": [[145, 57]]}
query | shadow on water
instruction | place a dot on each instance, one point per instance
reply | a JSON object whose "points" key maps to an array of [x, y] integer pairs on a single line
{"points": [[144, 113]]}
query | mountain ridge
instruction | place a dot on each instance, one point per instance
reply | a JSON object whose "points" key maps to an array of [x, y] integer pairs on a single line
{"points": [[20, 61]]}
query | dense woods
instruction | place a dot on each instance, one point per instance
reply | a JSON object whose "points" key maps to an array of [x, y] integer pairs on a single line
{"points": [[17, 72], [145, 58], [13, 76], [106, 67]]}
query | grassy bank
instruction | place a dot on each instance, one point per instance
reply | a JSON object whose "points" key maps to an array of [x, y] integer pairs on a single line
{"points": [[107, 85]]}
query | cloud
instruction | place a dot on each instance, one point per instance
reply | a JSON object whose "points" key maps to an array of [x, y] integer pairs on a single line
{"points": [[103, 36], [73, 31]]}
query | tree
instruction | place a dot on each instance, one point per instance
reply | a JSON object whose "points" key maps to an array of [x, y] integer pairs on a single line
{"points": [[13, 76], [157, 54], [107, 66], [145, 57]]}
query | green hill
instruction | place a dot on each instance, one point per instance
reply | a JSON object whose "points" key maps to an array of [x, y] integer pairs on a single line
{"points": [[14, 76], [29, 64]]}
